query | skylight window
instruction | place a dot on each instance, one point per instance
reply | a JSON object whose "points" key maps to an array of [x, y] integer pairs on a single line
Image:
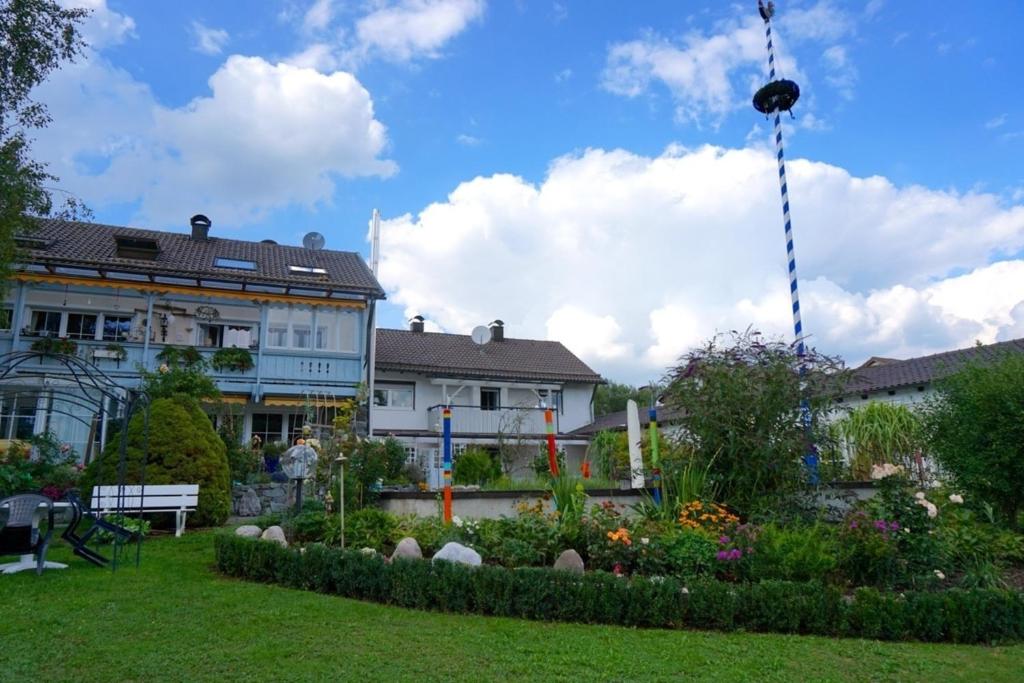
{"points": [[136, 247], [240, 264], [307, 269]]}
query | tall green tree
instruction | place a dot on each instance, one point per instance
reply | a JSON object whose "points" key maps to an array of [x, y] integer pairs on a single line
{"points": [[975, 430], [36, 37], [612, 397], [739, 397]]}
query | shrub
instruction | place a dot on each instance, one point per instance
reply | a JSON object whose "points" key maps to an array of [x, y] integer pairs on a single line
{"points": [[41, 463], [475, 466], [369, 528], [976, 433], [794, 553], [977, 616], [232, 358], [183, 449]]}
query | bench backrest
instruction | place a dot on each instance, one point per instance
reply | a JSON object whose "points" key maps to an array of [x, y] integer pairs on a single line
{"points": [[155, 497]]}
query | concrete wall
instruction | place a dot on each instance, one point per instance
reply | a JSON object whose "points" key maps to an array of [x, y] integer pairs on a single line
{"points": [[493, 504]]}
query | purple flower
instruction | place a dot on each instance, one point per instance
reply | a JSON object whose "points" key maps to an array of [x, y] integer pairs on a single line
{"points": [[894, 526], [880, 524], [724, 540], [722, 555], [853, 525], [735, 554]]}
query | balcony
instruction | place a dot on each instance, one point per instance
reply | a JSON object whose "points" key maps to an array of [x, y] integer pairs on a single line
{"points": [[503, 420]]}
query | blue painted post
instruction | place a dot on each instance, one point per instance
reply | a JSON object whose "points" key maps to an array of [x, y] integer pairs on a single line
{"points": [[811, 458], [446, 416]]}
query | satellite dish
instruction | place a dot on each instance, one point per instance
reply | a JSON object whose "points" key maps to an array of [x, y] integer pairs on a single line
{"points": [[314, 241], [481, 335]]}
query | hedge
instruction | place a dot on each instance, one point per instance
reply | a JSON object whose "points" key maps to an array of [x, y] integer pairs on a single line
{"points": [[959, 616]]}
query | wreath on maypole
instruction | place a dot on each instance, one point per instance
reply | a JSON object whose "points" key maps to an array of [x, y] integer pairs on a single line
{"points": [[777, 95]]}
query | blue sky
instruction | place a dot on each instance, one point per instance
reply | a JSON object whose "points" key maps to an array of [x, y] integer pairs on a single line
{"points": [[587, 171]]}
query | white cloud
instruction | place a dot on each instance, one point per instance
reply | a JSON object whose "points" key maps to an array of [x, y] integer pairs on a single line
{"points": [[841, 74], [209, 41], [467, 140], [103, 27], [266, 136], [996, 121], [711, 75], [413, 28], [318, 16], [563, 75], [630, 260]]}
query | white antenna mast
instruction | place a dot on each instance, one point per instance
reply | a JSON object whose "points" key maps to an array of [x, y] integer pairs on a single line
{"points": [[371, 370], [375, 242]]}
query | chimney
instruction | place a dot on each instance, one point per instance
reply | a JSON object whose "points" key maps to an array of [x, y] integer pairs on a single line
{"points": [[497, 331], [416, 323], [200, 227]]}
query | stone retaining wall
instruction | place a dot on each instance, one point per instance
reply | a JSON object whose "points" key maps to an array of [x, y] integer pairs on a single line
{"points": [[272, 497]]}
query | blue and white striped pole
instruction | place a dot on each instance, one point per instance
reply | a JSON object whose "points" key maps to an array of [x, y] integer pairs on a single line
{"points": [[811, 458]]}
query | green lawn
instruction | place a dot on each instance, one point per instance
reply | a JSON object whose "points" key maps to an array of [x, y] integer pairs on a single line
{"points": [[175, 619]]}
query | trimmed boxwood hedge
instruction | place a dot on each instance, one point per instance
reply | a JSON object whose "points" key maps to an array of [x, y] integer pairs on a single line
{"points": [[960, 616]]}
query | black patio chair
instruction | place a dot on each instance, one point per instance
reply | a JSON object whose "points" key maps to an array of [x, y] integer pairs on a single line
{"points": [[20, 535], [80, 510]]}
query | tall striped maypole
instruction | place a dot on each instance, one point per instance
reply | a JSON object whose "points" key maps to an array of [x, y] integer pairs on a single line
{"points": [[774, 98], [446, 420]]}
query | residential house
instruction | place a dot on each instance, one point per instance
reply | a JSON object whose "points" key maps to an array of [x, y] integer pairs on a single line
{"points": [[122, 295], [497, 391]]}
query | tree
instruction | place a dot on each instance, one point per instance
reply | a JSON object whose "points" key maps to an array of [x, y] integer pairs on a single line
{"points": [[975, 430], [35, 37], [740, 403], [612, 397]]}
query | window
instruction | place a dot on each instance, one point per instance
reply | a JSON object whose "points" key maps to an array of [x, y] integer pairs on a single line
{"points": [[240, 264], [293, 328], [490, 398], [6, 319], [295, 424], [551, 399], [307, 269], [46, 323], [410, 454], [81, 326], [335, 330], [267, 426], [115, 327], [398, 396], [18, 417], [136, 247], [227, 336]]}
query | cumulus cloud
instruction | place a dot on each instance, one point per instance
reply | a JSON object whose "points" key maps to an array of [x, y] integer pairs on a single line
{"points": [[630, 260], [413, 28], [266, 136], [709, 75], [103, 27], [209, 41]]}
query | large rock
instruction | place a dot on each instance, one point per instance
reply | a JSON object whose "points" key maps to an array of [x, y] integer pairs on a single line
{"points": [[407, 549], [249, 504], [276, 534], [456, 552], [570, 561], [248, 531]]}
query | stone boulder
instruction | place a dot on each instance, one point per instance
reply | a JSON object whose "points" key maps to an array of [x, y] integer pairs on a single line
{"points": [[249, 504], [276, 534], [456, 552], [248, 531], [407, 549], [570, 561]]}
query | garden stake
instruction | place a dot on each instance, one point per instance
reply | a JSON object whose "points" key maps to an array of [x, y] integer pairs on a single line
{"points": [[652, 414], [777, 104], [549, 423], [446, 417]]}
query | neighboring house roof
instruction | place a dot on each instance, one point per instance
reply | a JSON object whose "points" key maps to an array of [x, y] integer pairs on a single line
{"points": [[616, 421], [456, 355], [56, 243], [892, 374]]}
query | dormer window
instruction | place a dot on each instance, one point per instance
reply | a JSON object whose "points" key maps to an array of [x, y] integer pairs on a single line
{"points": [[136, 247], [308, 270], [29, 242], [240, 264]]}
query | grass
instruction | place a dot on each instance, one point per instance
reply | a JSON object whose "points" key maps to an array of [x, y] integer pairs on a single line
{"points": [[175, 619]]}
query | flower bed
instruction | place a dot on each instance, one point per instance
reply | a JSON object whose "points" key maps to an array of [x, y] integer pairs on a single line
{"points": [[963, 616]]}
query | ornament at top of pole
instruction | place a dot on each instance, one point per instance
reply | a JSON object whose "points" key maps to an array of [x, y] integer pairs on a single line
{"points": [[766, 11]]}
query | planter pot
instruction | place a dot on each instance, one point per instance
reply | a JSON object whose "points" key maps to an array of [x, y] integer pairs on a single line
{"points": [[271, 463]]}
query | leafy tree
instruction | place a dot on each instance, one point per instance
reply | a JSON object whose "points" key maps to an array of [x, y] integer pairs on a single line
{"points": [[975, 430], [740, 404], [183, 449], [475, 466], [36, 36], [612, 397]]}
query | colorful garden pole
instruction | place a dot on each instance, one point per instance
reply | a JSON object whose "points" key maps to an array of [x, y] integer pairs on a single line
{"points": [[549, 423], [652, 414], [446, 416], [774, 98]]}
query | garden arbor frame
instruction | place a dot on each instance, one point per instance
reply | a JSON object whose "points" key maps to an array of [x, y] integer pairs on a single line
{"points": [[80, 392]]}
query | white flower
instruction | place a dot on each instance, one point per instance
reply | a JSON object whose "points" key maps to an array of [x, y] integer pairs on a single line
{"points": [[164, 369], [886, 470], [956, 498], [645, 540], [906, 530], [932, 510], [919, 495], [684, 590], [940, 575], [457, 521]]}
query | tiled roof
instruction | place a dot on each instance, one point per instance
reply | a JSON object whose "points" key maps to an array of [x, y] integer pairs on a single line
{"points": [[91, 245], [455, 355], [616, 421], [892, 374]]}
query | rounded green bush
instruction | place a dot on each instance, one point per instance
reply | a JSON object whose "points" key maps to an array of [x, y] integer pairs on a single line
{"points": [[183, 449]]}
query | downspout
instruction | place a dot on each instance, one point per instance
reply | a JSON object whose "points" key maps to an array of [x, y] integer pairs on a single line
{"points": [[371, 323], [257, 392], [18, 315], [149, 330]]}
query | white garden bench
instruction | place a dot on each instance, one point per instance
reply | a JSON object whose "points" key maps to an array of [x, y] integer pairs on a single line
{"points": [[180, 499]]}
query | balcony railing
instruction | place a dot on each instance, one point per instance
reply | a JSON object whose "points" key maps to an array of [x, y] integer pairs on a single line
{"points": [[505, 420]]}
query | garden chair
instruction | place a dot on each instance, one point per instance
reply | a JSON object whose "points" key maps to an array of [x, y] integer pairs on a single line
{"points": [[78, 542], [20, 534]]}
